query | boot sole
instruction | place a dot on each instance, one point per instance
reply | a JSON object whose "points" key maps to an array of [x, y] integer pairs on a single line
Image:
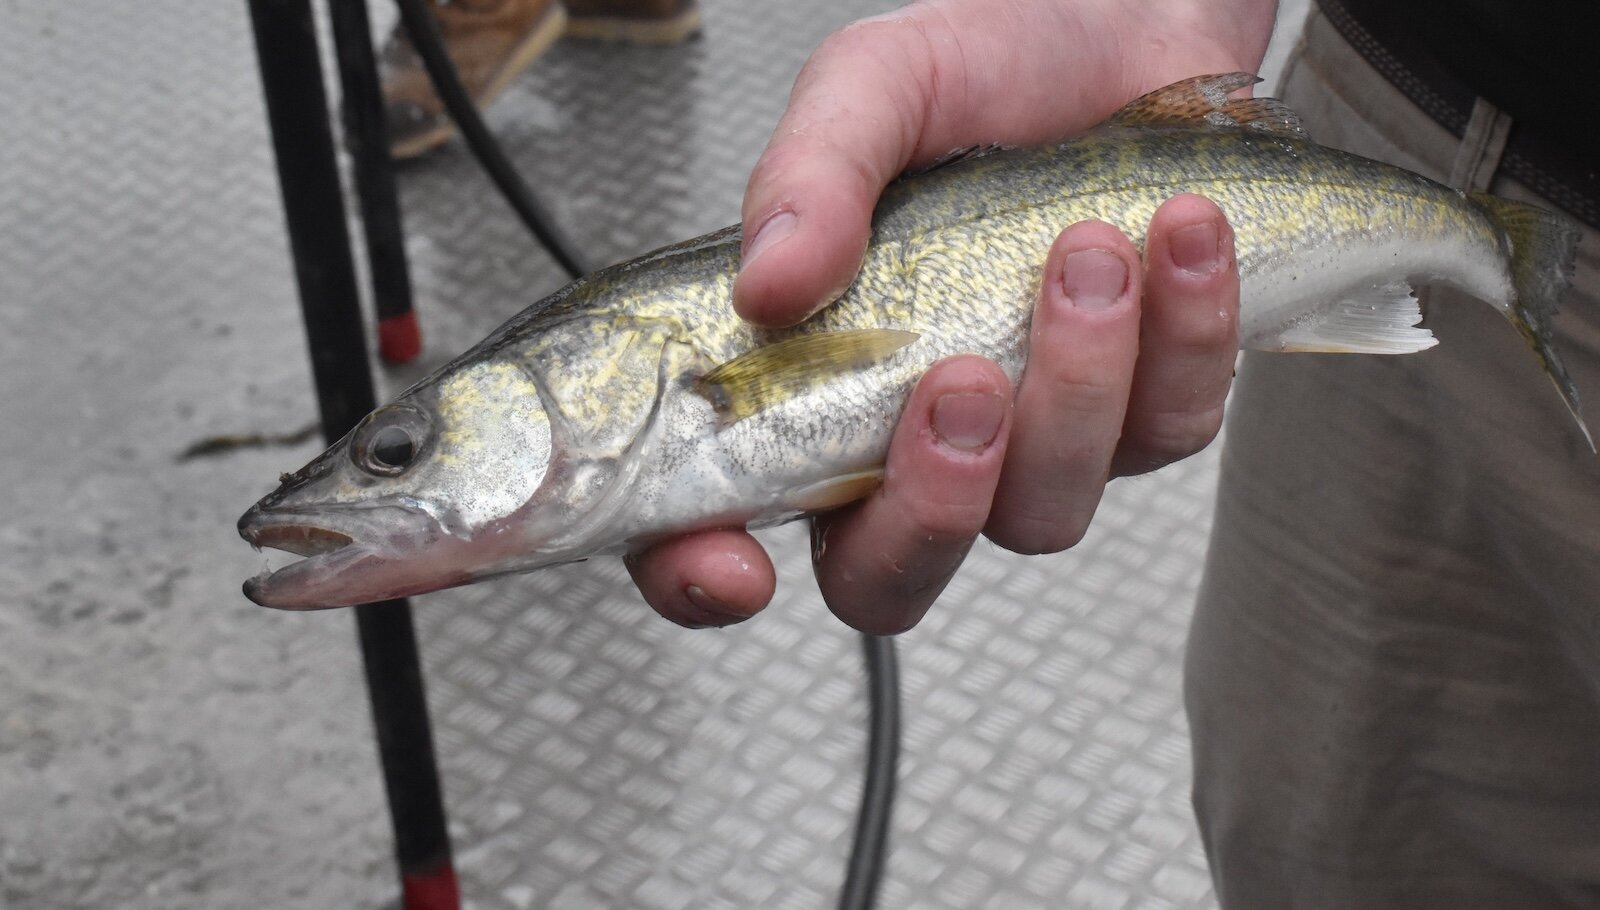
{"points": [[550, 28], [671, 30]]}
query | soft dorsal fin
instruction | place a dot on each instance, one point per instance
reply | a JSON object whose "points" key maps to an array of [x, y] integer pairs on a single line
{"points": [[1383, 320], [1203, 102], [779, 371]]}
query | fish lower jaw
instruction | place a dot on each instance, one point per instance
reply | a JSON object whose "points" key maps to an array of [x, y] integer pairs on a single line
{"points": [[301, 585]]}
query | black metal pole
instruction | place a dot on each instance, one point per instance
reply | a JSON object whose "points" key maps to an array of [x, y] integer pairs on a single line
{"points": [[367, 141], [297, 110], [405, 749]]}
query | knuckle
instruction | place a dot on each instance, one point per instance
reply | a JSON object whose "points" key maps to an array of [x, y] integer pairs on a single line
{"points": [[887, 593], [876, 620], [1169, 438], [850, 46], [1214, 331], [946, 520], [1048, 513], [1057, 377], [782, 158], [863, 34], [1033, 533], [1069, 389], [899, 35], [802, 159], [1205, 329]]}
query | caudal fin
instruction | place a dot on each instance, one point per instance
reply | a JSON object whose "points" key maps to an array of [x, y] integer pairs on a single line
{"points": [[1543, 249]]}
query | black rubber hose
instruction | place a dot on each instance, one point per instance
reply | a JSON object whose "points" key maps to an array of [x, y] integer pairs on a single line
{"points": [[869, 853], [447, 85]]}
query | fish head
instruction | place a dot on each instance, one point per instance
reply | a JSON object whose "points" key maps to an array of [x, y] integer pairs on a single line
{"points": [[431, 491]]}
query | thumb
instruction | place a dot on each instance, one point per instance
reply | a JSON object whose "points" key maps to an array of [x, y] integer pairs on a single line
{"points": [[852, 125]]}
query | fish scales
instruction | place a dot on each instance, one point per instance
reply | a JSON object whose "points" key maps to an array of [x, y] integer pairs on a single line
{"points": [[960, 265], [634, 404]]}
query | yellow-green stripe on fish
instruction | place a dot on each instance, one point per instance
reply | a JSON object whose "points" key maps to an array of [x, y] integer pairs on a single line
{"points": [[633, 404]]}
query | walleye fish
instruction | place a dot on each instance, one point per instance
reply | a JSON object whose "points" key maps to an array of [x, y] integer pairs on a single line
{"points": [[633, 404]]}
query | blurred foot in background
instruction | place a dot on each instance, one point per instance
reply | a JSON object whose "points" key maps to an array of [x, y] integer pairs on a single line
{"points": [[491, 41]]}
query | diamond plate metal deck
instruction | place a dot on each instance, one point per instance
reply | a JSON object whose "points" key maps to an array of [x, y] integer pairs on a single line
{"points": [[598, 757], [164, 744]]}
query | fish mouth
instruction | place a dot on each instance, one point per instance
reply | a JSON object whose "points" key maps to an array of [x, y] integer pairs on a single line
{"points": [[348, 558], [299, 539]]}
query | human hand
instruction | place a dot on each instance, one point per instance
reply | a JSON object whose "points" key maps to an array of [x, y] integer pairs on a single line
{"points": [[1129, 361]]}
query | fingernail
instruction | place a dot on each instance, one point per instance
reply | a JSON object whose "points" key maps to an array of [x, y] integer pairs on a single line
{"points": [[717, 611], [1194, 248], [1094, 279], [774, 229], [968, 421]]}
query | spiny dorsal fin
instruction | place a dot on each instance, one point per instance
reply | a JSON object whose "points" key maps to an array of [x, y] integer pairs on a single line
{"points": [[1383, 320], [964, 153], [1203, 102], [777, 372]]}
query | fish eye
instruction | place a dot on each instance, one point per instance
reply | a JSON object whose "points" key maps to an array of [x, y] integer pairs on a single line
{"points": [[389, 440], [392, 447]]}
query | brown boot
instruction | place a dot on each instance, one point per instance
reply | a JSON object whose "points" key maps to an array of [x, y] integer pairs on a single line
{"points": [[634, 21], [490, 42]]}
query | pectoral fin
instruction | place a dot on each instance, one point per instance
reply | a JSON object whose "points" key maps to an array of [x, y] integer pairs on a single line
{"points": [[779, 371], [1381, 321]]}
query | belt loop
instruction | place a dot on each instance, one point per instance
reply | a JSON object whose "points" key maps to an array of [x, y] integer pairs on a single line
{"points": [[1483, 143]]}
